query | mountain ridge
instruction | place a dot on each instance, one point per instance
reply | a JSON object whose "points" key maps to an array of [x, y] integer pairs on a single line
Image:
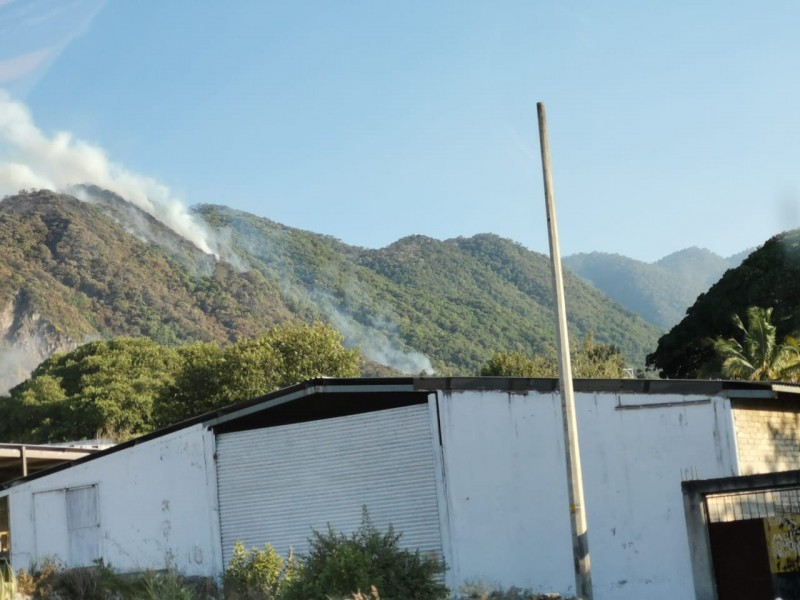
{"points": [[95, 269], [661, 291]]}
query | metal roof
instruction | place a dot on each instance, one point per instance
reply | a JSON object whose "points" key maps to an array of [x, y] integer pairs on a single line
{"points": [[19, 460]]}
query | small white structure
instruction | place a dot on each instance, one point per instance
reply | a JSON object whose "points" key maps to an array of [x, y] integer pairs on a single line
{"points": [[469, 469]]}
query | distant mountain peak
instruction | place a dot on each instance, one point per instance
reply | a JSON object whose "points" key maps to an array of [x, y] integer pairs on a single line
{"points": [[660, 292]]}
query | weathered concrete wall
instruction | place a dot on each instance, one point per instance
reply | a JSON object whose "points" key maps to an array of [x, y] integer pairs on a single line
{"points": [[767, 436], [507, 493], [156, 502]]}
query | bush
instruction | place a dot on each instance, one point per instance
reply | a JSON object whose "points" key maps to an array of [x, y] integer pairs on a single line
{"points": [[257, 574], [51, 581], [164, 586], [479, 590], [341, 566]]}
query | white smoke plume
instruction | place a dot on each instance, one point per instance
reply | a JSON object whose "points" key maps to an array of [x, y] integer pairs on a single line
{"points": [[378, 339], [31, 159], [377, 336], [379, 342], [16, 364]]}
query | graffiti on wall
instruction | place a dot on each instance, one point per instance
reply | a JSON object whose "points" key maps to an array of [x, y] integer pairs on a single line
{"points": [[783, 543]]}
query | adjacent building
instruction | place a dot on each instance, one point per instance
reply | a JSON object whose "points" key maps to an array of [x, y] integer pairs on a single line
{"points": [[468, 469]]}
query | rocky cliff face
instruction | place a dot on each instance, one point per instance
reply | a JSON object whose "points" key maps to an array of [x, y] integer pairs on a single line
{"points": [[26, 339]]}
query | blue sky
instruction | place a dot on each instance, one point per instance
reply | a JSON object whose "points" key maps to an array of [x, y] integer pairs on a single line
{"points": [[671, 124]]}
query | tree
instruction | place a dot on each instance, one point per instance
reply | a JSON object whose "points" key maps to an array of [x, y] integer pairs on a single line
{"points": [[759, 357], [213, 377], [519, 364], [101, 389], [597, 361], [127, 387], [590, 360]]}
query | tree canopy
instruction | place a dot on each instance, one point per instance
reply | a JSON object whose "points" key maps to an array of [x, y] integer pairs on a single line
{"points": [[590, 360], [127, 387], [212, 377], [759, 357]]}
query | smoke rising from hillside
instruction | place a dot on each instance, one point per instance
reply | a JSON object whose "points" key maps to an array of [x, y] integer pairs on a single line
{"points": [[31, 159], [376, 335], [379, 342], [16, 364], [377, 338]]}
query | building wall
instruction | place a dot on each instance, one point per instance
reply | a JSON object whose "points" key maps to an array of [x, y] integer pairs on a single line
{"points": [[156, 504], [507, 493], [501, 483], [767, 437]]}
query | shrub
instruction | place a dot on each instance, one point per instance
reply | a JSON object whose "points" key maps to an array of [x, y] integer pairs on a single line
{"points": [[257, 574], [51, 581], [341, 566], [36, 581], [165, 586], [480, 590], [80, 583]]}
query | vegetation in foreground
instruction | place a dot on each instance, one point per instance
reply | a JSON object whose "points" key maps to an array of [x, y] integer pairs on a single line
{"points": [[368, 561], [369, 564]]}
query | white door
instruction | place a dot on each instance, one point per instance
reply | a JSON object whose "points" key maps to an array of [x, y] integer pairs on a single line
{"points": [[67, 526], [50, 526], [83, 525]]}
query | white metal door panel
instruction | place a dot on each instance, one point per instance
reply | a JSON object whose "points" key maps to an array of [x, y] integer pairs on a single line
{"points": [[277, 484], [50, 526], [83, 525]]}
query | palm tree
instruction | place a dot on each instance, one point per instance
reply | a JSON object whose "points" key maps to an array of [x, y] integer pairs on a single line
{"points": [[759, 357]]}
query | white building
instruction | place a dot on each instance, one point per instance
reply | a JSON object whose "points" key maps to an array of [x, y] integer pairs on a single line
{"points": [[470, 469]]}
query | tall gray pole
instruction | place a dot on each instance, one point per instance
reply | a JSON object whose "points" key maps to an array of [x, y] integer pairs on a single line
{"points": [[577, 511]]}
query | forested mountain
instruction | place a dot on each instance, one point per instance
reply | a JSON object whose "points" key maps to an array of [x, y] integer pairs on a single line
{"points": [[72, 271], [659, 292], [769, 277]]}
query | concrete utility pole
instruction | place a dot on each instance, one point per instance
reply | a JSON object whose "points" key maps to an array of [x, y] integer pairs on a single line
{"points": [[577, 511]]}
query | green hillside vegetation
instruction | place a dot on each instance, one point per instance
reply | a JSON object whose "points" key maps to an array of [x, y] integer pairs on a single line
{"points": [[769, 277], [659, 292], [89, 277], [454, 301], [74, 271]]}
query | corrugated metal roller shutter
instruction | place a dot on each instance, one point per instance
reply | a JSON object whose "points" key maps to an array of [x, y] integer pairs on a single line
{"points": [[279, 483]]}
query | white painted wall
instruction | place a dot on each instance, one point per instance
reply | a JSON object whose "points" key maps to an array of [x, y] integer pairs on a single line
{"points": [[507, 492], [157, 507]]}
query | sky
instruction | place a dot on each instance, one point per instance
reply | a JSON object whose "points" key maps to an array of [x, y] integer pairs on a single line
{"points": [[671, 124]]}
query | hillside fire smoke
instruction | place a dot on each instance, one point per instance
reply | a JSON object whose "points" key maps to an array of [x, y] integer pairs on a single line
{"points": [[31, 159]]}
